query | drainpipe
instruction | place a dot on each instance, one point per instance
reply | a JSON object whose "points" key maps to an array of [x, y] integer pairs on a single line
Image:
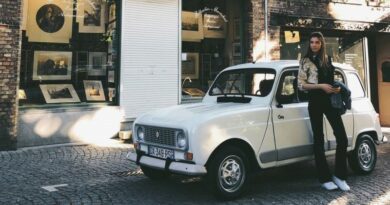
{"points": [[266, 28]]}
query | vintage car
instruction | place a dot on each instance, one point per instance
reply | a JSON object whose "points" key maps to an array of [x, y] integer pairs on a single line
{"points": [[253, 117]]}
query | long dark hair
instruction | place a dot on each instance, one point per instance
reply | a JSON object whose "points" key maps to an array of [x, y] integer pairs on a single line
{"points": [[322, 53]]}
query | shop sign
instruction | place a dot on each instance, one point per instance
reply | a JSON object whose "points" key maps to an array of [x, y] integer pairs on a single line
{"points": [[213, 17]]}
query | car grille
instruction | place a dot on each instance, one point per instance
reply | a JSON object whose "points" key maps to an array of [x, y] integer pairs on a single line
{"points": [[165, 136]]}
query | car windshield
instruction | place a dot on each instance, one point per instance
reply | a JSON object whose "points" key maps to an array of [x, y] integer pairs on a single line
{"points": [[254, 82]]}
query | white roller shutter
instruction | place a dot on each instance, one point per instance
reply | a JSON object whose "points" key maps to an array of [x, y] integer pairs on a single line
{"points": [[149, 55]]}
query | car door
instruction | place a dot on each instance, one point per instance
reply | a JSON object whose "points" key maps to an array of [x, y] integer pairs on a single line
{"points": [[292, 127], [347, 120]]}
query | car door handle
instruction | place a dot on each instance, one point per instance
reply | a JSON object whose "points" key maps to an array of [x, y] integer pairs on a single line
{"points": [[280, 117]]}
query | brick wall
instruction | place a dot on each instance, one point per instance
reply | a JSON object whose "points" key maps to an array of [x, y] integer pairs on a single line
{"points": [[10, 42]]}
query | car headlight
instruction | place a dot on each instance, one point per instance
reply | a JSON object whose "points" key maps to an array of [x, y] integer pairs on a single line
{"points": [[181, 140], [141, 133]]}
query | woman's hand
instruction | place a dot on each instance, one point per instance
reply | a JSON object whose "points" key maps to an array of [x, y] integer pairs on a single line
{"points": [[328, 88]]}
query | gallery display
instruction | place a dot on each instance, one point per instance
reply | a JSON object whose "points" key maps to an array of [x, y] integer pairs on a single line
{"points": [[69, 52]]}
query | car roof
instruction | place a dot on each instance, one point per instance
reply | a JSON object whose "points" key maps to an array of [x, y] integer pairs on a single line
{"points": [[279, 65]]}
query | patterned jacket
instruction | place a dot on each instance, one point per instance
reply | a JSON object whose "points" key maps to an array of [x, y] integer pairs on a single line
{"points": [[307, 73]]}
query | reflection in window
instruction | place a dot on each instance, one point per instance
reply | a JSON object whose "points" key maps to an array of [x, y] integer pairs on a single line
{"points": [[355, 86]]}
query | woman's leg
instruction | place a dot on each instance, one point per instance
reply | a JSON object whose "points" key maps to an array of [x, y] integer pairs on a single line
{"points": [[337, 124], [316, 120]]}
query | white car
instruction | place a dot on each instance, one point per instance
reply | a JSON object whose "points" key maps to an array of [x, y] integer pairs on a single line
{"points": [[253, 117]]}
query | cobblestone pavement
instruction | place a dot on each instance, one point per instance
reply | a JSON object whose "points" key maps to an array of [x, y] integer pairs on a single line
{"points": [[102, 175]]}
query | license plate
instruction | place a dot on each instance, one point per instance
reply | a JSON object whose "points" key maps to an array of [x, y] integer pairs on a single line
{"points": [[161, 152]]}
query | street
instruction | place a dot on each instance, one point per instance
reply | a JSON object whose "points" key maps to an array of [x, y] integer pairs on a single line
{"points": [[91, 174]]}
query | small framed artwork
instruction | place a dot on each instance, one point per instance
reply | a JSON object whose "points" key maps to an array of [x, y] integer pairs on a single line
{"points": [[112, 13], [236, 48], [190, 66], [236, 29], [94, 90], [111, 94], [49, 21], [214, 26], [59, 93], [52, 65], [192, 26], [91, 15], [111, 76], [97, 63]]}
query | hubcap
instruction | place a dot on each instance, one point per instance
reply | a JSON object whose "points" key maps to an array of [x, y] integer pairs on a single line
{"points": [[365, 155], [231, 173]]}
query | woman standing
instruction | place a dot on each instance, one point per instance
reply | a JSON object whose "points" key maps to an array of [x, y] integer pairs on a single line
{"points": [[316, 75]]}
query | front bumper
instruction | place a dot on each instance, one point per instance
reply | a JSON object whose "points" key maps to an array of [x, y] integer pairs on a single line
{"points": [[173, 166]]}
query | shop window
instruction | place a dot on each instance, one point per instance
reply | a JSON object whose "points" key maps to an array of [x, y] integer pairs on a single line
{"points": [[212, 39], [69, 52]]}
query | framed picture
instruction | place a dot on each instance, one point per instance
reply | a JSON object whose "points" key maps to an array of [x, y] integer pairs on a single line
{"points": [[192, 26], [52, 65], [112, 13], [190, 66], [236, 28], [214, 26], [91, 16], [111, 76], [94, 90], [236, 48], [49, 21], [59, 93], [97, 63], [111, 93]]}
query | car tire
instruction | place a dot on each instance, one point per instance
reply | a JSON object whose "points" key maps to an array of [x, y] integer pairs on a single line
{"points": [[362, 159], [228, 173], [154, 174]]}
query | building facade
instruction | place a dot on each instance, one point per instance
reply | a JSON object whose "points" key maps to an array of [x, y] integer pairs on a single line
{"points": [[83, 70]]}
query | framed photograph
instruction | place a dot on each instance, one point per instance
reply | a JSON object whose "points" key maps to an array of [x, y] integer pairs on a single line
{"points": [[49, 21], [112, 13], [94, 90], [111, 76], [236, 48], [59, 93], [190, 66], [111, 93], [91, 16], [52, 65], [236, 28], [214, 26], [192, 26], [97, 63]]}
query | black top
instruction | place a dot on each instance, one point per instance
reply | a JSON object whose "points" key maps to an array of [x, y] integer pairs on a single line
{"points": [[325, 75]]}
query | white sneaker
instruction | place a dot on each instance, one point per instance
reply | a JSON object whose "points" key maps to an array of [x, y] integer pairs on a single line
{"points": [[342, 184], [329, 186]]}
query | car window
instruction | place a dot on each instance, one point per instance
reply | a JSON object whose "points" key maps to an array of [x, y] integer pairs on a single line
{"points": [[355, 86], [287, 88], [254, 82], [338, 77]]}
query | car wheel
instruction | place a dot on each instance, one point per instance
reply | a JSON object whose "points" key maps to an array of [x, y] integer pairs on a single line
{"points": [[154, 174], [362, 159], [227, 173]]}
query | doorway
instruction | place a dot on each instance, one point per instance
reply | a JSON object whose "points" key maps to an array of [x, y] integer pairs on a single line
{"points": [[383, 67]]}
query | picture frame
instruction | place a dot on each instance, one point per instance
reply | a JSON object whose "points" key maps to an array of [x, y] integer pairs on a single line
{"points": [[91, 16], [236, 49], [191, 26], [111, 76], [59, 93], [190, 66], [97, 63], [94, 90], [112, 12], [237, 28], [214, 26], [49, 22], [52, 65]]}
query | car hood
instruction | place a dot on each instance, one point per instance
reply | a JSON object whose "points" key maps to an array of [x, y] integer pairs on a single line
{"points": [[192, 113]]}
